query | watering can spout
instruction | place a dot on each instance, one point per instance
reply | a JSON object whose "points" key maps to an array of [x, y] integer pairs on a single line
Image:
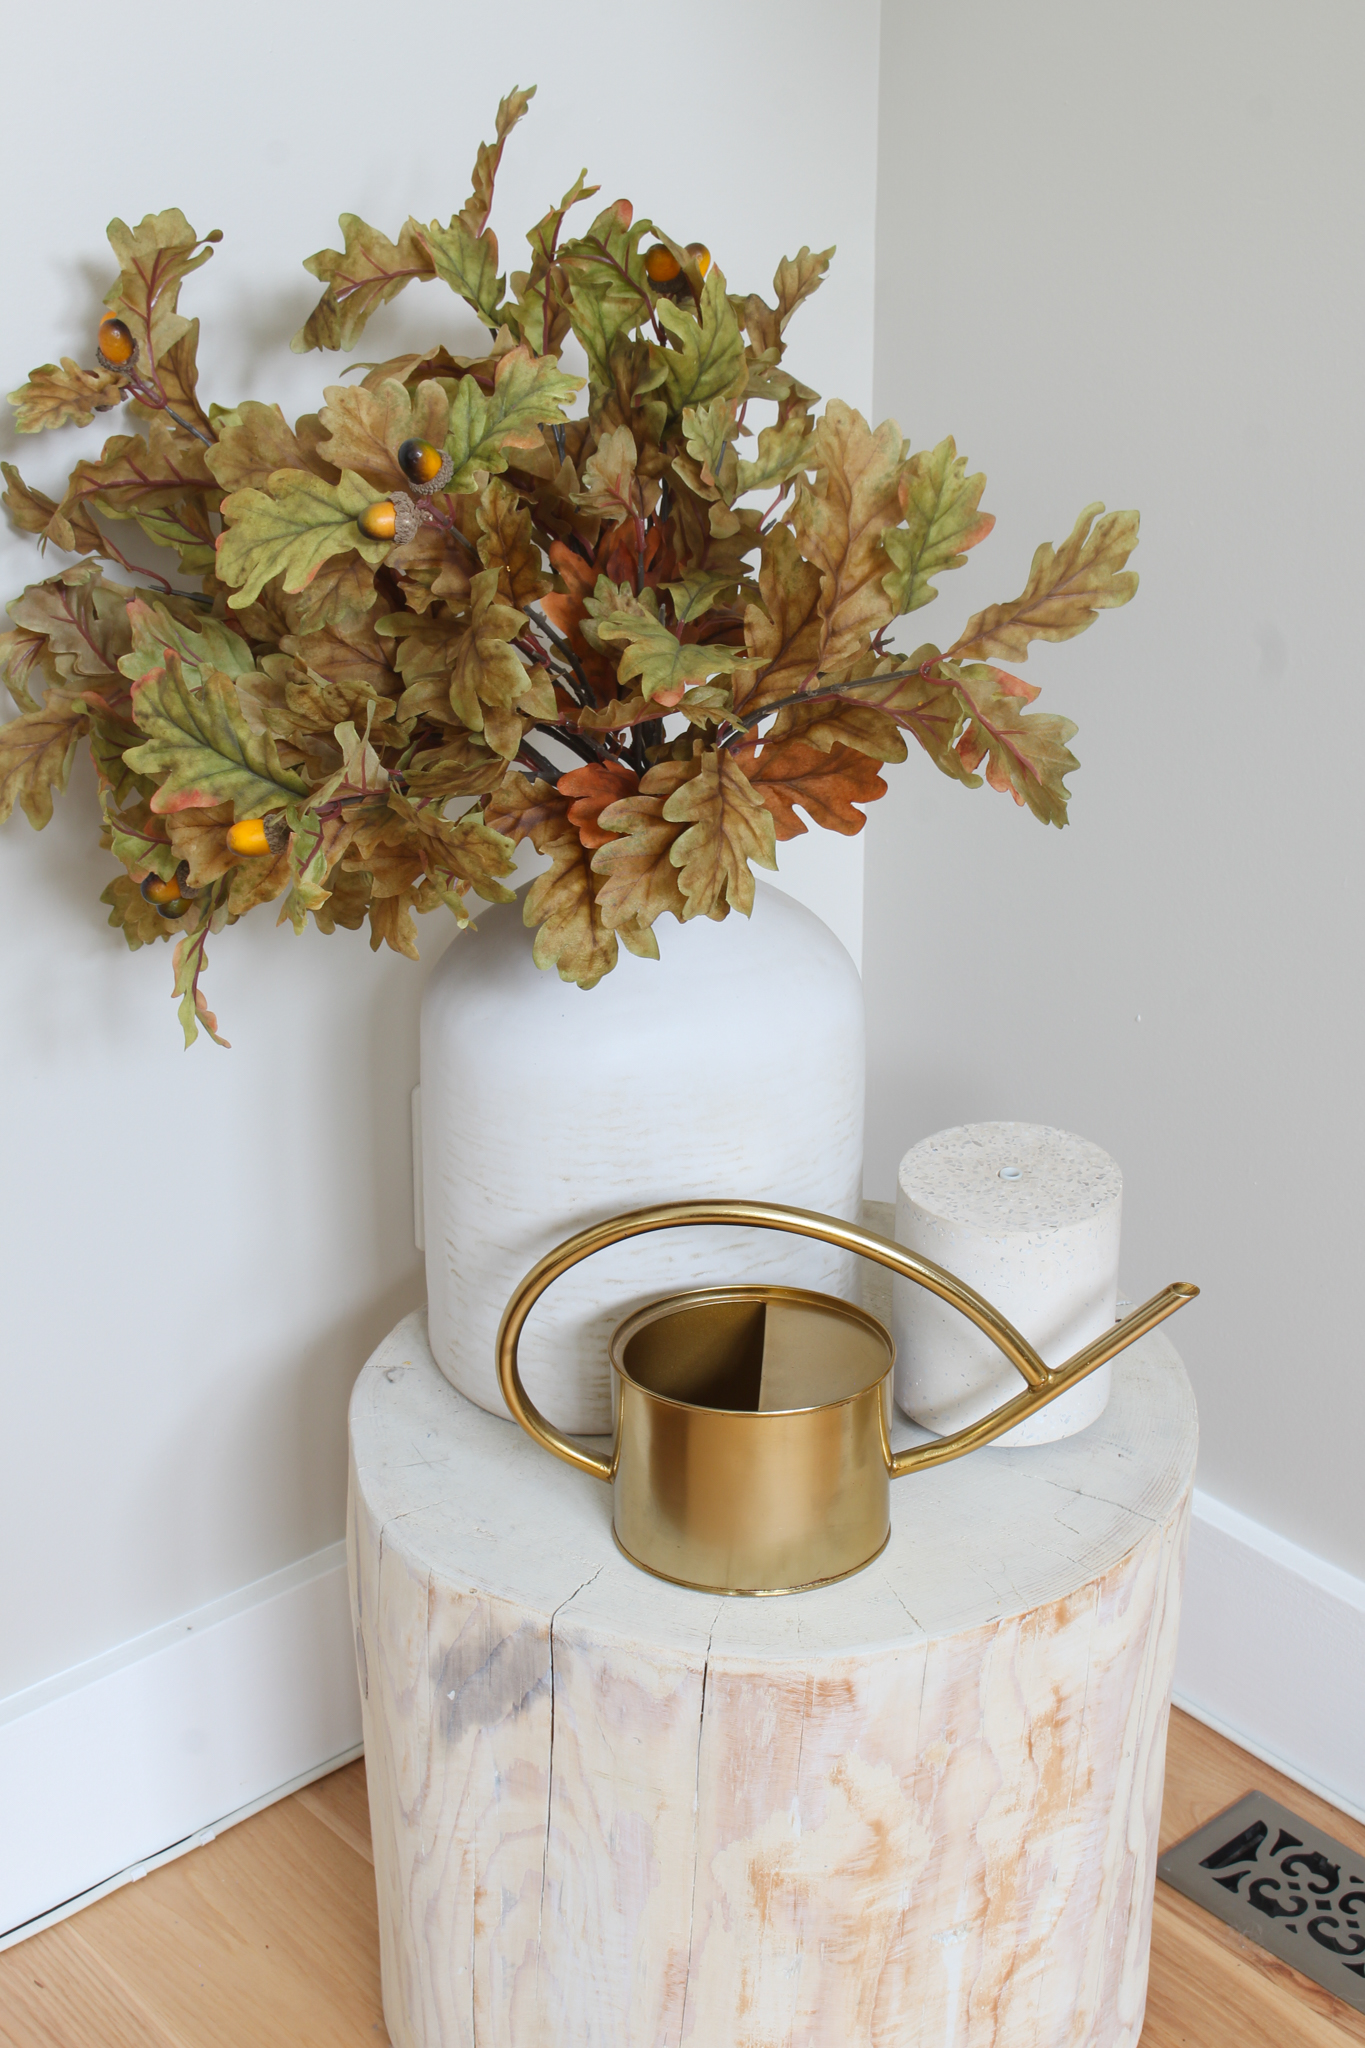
{"points": [[1056, 1381]]}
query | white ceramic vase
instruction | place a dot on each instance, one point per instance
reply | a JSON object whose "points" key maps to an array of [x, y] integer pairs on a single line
{"points": [[731, 1066]]}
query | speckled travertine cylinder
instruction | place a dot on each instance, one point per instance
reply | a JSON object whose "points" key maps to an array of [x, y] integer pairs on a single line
{"points": [[917, 1809], [1029, 1217]]}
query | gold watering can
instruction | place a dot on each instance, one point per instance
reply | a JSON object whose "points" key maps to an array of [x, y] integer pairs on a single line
{"points": [[752, 1449]]}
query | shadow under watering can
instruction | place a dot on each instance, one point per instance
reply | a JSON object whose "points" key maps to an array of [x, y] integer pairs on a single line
{"points": [[752, 1448]]}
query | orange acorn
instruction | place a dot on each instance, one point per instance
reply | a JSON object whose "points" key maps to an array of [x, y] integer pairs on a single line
{"points": [[700, 255], [116, 347], [662, 266], [377, 521], [155, 890], [425, 467], [392, 519], [253, 838]]}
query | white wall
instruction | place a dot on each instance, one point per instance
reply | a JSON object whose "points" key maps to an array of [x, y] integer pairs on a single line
{"points": [[201, 1249], [1119, 256]]}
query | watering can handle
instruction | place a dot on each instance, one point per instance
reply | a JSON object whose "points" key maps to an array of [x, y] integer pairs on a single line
{"points": [[1044, 1383]]}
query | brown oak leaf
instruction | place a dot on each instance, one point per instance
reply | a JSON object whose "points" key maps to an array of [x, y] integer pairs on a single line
{"points": [[825, 785]]}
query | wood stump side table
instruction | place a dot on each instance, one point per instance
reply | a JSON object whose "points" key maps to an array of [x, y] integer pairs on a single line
{"points": [[916, 1807]]}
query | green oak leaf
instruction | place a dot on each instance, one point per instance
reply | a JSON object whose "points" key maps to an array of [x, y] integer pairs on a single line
{"points": [[468, 263], [484, 426], [660, 660], [208, 644], [708, 359], [943, 518], [290, 529], [200, 749]]}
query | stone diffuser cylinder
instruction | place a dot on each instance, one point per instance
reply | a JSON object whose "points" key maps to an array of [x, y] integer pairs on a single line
{"points": [[1029, 1217]]}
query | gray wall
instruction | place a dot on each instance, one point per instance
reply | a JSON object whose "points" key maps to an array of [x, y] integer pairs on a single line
{"points": [[1119, 256]]}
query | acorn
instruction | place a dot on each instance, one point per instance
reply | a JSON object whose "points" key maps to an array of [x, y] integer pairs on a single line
{"points": [[254, 838], [116, 349], [155, 890], [662, 266], [425, 467], [394, 519], [700, 255]]}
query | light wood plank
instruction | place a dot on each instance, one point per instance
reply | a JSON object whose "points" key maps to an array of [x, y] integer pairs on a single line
{"points": [[1205, 1773], [265, 1936], [341, 1802], [1210, 1989], [56, 1993]]}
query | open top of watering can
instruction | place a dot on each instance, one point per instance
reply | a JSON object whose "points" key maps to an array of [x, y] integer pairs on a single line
{"points": [[752, 1350], [752, 1451]]}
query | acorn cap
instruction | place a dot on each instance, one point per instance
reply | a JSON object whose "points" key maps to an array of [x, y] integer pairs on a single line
{"points": [[426, 468]]}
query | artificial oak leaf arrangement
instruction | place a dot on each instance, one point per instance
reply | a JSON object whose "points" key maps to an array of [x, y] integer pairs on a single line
{"points": [[442, 615]]}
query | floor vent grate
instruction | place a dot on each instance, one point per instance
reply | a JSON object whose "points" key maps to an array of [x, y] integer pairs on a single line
{"points": [[1283, 1884]]}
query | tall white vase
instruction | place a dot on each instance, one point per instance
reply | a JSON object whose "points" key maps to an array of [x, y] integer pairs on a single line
{"points": [[733, 1065]]}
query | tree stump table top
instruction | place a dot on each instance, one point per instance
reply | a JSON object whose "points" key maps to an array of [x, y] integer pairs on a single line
{"points": [[467, 1496]]}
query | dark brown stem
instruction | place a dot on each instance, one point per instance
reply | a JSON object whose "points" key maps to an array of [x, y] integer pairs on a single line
{"points": [[576, 742], [900, 675]]}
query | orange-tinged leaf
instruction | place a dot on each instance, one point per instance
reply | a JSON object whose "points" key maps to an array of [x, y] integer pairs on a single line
{"points": [[36, 751], [591, 788], [610, 486], [366, 427], [1065, 589], [796, 277], [508, 545], [561, 907], [199, 838], [639, 882], [479, 205], [826, 785], [839, 523], [728, 826], [562, 904], [369, 272], [254, 441], [154, 259], [522, 805], [1025, 753], [785, 633]]}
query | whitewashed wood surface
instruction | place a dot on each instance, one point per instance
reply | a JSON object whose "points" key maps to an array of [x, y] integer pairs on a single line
{"points": [[919, 1807]]}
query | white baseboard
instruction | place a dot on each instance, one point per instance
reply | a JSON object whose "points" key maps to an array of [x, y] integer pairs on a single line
{"points": [[1272, 1652], [143, 1753]]}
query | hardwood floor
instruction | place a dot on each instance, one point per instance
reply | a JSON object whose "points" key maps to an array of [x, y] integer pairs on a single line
{"points": [[266, 1938]]}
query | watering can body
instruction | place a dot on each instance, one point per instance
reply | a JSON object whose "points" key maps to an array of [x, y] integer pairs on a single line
{"points": [[752, 1449]]}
